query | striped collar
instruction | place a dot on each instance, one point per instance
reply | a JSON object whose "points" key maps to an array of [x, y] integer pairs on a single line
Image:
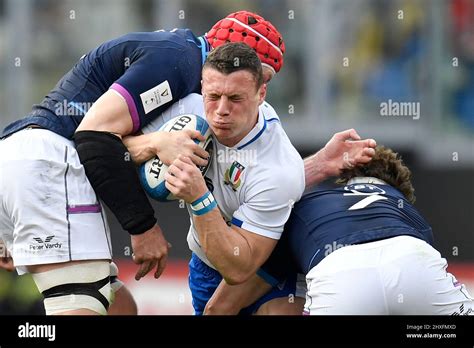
{"points": [[254, 134], [205, 48], [366, 180]]}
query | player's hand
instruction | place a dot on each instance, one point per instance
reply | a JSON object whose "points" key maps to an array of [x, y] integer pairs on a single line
{"points": [[6, 261], [185, 180], [150, 250], [173, 144], [347, 150]]}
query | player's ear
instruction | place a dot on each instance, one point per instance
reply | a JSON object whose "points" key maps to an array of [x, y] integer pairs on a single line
{"points": [[268, 73], [262, 93]]}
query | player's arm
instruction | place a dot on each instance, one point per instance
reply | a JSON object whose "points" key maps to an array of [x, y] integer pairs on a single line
{"points": [[108, 114], [117, 113], [114, 179], [344, 150], [111, 114], [230, 299], [236, 252], [167, 145], [113, 176]]}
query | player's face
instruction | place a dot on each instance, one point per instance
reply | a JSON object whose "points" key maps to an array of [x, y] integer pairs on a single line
{"points": [[231, 103]]}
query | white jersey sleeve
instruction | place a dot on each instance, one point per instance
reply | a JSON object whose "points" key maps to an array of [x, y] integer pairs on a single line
{"points": [[267, 206], [272, 187]]}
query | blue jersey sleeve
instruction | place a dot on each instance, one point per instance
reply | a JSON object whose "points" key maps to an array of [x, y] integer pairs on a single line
{"points": [[158, 78]]}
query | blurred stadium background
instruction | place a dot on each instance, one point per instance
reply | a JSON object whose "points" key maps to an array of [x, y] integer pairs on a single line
{"points": [[344, 58]]}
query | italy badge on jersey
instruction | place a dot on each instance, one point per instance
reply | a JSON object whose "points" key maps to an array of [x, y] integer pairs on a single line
{"points": [[233, 174]]}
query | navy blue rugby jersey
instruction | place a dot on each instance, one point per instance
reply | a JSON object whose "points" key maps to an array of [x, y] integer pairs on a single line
{"points": [[326, 220], [151, 70]]}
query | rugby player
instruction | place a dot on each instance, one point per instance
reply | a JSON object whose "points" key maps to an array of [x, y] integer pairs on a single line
{"points": [[51, 218], [364, 248]]}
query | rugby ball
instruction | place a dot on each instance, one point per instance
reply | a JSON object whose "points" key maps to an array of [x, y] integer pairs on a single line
{"points": [[152, 172]]}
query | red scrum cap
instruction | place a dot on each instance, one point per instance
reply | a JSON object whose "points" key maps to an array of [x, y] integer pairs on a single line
{"points": [[255, 31]]}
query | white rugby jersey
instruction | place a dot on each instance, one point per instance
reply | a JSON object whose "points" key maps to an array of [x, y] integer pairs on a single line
{"points": [[256, 182]]}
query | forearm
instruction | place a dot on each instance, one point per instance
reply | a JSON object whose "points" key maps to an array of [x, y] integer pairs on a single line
{"points": [[115, 179], [317, 169], [225, 300], [230, 299], [225, 247], [142, 147]]}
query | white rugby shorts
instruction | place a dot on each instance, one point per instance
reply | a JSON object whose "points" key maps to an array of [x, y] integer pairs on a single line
{"points": [[395, 276], [49, 213]]}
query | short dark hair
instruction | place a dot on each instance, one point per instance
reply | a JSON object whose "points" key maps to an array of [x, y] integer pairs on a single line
{"points": [[388, 166], [235, 56]]}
